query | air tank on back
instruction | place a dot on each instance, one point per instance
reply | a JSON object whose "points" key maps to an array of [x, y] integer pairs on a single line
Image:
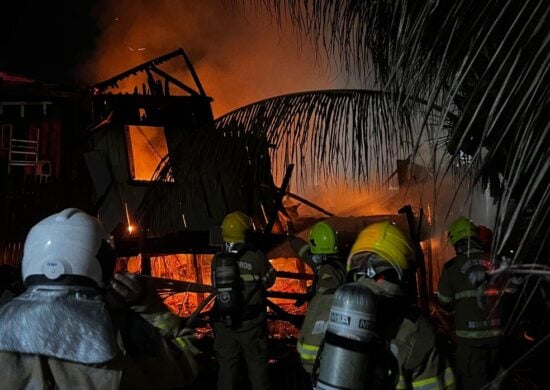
{"points": [[349, 353]]}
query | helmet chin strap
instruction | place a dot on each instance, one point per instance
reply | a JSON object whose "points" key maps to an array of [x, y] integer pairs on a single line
{"points": [[233, 247]]}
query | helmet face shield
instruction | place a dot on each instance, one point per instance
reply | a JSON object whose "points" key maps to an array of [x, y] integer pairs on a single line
{"points": [[318, 259], [389, 244], [368, 265]]}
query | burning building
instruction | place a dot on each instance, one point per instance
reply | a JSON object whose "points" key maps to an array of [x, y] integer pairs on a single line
{"points": [[132, 160]]}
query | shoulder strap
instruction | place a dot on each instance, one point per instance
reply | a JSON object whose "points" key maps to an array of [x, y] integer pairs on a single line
{"points": [[258, 283], [336, 264]]}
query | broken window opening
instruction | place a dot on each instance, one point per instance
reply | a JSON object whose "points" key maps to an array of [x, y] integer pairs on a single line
{"points": [[147, 147]]}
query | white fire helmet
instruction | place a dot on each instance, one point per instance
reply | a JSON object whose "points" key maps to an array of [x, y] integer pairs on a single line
{"points": [[66, 243]]}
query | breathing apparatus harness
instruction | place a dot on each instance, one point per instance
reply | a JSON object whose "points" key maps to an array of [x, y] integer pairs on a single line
{"points": [[231, 305]]}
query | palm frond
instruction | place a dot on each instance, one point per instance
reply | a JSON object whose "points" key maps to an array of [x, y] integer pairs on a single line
{"points": [[331, 136], [490, 59], [338, 135]]}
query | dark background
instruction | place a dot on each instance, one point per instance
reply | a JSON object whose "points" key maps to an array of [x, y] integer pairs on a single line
{"points": [[47, 39]]}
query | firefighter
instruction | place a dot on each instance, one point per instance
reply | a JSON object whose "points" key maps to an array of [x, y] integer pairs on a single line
{"points": [[322, 255], [59, 333], [380, 259], [241, 275], [477, 320]]}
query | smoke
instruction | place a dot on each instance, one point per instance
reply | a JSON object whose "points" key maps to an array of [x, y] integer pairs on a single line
{"points": [[240, 57], [442, 195]]}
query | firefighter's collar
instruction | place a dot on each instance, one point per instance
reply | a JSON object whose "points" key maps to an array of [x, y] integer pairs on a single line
{"points": [[382, 287], [62, 323]]}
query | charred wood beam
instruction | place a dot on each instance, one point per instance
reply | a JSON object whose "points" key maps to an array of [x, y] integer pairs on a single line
{"points": [[162, 285], [188, 241], [287, 295], [146, 265], [310, 204], [113, 81], [154, 87], [174, 81], [185, 242], [304, 201], [171, 285], [279, 194], [294, 319], [294, 275], [192, 71], [419, 256], [198, 273], [197, 312]]}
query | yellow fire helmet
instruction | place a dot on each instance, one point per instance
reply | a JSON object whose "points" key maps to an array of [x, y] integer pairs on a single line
{"points": [[234, 227], [387, 241]]}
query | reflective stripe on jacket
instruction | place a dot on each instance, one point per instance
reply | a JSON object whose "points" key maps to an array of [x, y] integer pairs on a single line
{"points": [[432, 383], [257, 273], [421, 364], [308, 353], [329, 275], [313, 330], [476, 317]]}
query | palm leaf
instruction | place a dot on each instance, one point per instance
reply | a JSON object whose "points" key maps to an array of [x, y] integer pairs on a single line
{"points": [[329, 135], [487, 61]]}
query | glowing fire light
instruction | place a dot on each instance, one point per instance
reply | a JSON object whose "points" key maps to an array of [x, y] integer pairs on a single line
{"points": [[196, 269], [130, 226], [147, 146]]}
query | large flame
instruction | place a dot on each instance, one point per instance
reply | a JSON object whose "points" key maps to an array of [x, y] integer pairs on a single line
{"points": [[196, 268], [239, 59], [147, 147]]}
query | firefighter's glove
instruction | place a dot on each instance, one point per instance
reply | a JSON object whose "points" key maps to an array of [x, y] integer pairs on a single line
{"points": [[184, 340], [166, 322], [124, 291], [517, 281]]}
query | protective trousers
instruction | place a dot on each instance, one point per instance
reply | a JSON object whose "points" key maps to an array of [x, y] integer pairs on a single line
{"points": [[476, 366], [252, 342]]}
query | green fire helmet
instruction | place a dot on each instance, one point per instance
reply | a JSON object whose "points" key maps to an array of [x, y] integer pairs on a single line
{"points": [[323, 239], [460, 229]]}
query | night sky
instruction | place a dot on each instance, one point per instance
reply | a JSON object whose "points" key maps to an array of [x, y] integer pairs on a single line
{"points": [[240, 55], [46, 39]]}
